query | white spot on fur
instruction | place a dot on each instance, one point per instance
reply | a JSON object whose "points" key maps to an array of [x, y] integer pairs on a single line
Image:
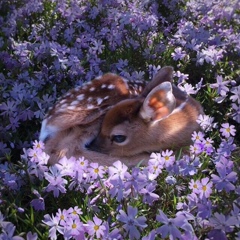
{"points": [[99, 101], [105, 98], [47, 130], [80, 97], [99, 77], [71, 107], [92, 89], [103, 86], [90, 106], [111, 86], [74, 103], [90, 99]]}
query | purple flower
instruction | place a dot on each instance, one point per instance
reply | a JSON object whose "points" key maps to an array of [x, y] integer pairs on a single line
{"points": [[206, 122], [53, 223], [221, 87], [96, 171], [222, 222], [205, 188], [236, 114], [56, 182], [224, 180], [236, 94], [178, 54], [171, 226], [73, 227], [118, 170], [8, 230], [132, 223], [32, 236], [96, 227], [227, 130], [148, 195], [38, 203], [167, 158]]}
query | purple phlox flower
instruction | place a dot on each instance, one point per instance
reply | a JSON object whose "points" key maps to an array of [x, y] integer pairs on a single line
{"points": [[155, 164], [116, 186], [56, 182], [132, 223], [82, 163], [197, 137], [96, 171], [151, 235], [187, 87], [224, 180], [236, 212], [236, 94], [226, 147], [188, 166], [32, 236], [209, 55], [96, 227], [171, 226], [205, 188], [227, 130], [222, 222], [97, 46], [197, 148], [73, 227], [38, 145], [206, 122], [167, 158], [221, 87], [178, 54], [114, 234], [209, 149], [118, 170], [75, 212], [236, 114], [225, 163], [63, 216], [38, 203], [204, 208], [153, 70], [38, 168], [195, 186], [8, 230], [12, 181], [53, 223], [181, 76], [148, 194], [121, 64], [135, 181], [67, 166]]}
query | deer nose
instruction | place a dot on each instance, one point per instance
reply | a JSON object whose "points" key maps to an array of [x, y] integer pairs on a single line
{"points": [[92, 146]]}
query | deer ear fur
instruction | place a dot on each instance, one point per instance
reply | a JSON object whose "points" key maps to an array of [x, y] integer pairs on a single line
{"points": [[159, 103]]}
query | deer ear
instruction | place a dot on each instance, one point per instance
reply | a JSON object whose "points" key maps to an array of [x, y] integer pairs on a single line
{"points": [[159, 103]]}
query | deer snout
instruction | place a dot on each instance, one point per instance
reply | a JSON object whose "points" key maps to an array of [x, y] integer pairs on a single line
{"points": [[96, 145]]}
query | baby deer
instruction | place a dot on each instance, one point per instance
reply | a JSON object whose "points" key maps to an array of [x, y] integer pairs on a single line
{"points": [[161, 117], [75, 120]]}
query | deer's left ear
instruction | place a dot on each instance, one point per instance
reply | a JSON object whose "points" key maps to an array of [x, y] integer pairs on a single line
{"points": [[159, 103]]}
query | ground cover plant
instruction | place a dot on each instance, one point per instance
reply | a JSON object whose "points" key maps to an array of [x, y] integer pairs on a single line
{"points": [[48, 47]]}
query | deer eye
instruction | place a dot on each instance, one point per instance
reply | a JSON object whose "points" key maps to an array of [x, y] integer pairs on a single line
{"points": [[118, 138]]}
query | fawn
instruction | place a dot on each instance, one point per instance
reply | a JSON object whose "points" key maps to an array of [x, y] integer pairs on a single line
{"points": [[111, 119]]}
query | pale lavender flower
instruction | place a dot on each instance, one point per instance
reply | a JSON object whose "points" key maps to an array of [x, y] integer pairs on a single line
{"points": [[56, 182], [236, 114], [116, 186], [205, 188], [155, 164], [227, 130], [96, 227], [53, 223], [197, 148], [167, 158], [195, 186], [221, 86], [82, 163], [170, 180], [96, 171], [132, 223], [178, 54], [236, 94], [73, 227], [67, 166], [187, 87], [181, 76], [75, 212], [118, 170], [198, 137], [151, 235], [206, 122], [63, 216]]}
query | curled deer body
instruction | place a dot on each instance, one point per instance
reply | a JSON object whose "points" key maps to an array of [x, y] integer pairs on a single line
{"points": [[125, 122]]}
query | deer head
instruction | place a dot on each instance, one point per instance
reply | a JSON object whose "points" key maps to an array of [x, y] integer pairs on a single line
{"points": [[161, 117], [75, 120]]}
